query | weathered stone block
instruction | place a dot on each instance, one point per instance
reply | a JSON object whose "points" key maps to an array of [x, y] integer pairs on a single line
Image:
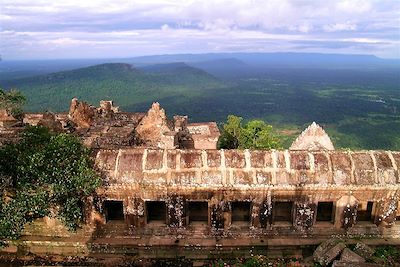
{"points": [[350, 256], [321, 162], [171, 159], [364, 168], [264, 177], [130, 160], [327, 251], [280, 159], [257, 159], [242, 177], [154, 178], [234, 159], [299, 161], [106, 159], [184, 178], [382, 160], [282, 178], [301, 178], [341, 165], [338, 263], [191, 159], [211, 178], [364, 250], [213, 158], [154, 160]]}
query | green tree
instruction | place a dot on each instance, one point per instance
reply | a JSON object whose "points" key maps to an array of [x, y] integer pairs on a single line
{"points": [[41, 173], [255, 134], [12, 101], [230, 136]]}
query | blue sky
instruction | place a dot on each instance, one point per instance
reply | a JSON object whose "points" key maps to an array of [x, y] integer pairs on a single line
{"points": [[51, 29]]}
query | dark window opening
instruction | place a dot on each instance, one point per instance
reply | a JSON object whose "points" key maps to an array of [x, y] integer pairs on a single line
{"points": [[283, 211], [325, 212], [198, 211], [241, 212], [114, 210], [364, 213], [156, 211]]}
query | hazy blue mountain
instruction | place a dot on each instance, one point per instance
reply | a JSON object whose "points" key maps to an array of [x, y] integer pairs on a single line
{"points": [[256, 62]]}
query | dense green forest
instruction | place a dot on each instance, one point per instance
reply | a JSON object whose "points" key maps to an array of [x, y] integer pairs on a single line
{"points": [[358, 106]]}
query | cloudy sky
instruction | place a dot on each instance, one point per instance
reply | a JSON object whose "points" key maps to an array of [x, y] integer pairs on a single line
{"points": [[51, 29]]}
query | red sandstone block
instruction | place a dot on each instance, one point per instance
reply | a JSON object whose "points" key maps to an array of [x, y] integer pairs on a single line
{"points": [[364, 168], [341, 167], [299, 161], [301, 177], [264, 177], [280, 160], [396, 157], [154, 178], [282, 178], [106, 159], [320, 162], [257, 159], [154, 160], [213, 158], [130, 160], [234, 159], [340, 161], [183, 178], [171, 159], [242, 177], [211, 177], [382, 160], [191, 159]]}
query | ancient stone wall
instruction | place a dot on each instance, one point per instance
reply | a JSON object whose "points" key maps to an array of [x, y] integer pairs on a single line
{"points": [[272, 182]]}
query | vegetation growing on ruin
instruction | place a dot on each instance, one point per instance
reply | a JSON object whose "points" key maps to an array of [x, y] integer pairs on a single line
{"points": [[45, 174], [254, 134], [12, 101]]}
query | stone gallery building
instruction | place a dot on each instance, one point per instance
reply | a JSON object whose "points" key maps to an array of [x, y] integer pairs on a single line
{"points": [[168, 192]]}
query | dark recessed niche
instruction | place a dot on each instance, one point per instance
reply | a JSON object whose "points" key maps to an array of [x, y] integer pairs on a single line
{"points": [[114, 210]]}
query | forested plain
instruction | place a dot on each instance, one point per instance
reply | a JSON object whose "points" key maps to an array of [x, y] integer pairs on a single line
{"points": [[358, 104]]}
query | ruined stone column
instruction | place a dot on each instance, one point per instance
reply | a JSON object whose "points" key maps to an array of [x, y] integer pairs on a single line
{"points": [[346, 212], [304, 213], [134, 212], [176, 211]]}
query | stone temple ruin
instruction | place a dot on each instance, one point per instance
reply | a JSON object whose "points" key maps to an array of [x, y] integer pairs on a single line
{"points": [[170, 193]]}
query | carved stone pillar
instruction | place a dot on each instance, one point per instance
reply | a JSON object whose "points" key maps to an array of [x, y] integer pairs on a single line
{"points": [[386, 211], [304, 213], [346, 212], [176, 211], [134, 212]]}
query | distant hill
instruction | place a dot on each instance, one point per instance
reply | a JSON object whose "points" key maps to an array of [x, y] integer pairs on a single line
{"points": [[120, 82], [211, 62], [224, 67], [286, 59]]}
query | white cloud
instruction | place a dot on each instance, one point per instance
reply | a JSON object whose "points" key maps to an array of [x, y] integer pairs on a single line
{"points": [[347, 26], [194, 25]]}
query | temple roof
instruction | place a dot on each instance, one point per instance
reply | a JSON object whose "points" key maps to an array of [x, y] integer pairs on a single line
{"points": [[249, 168], [312, 138]]}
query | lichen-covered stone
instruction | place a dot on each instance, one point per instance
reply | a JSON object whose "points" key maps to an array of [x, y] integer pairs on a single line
{"points": [[350, 256], [364, 250], [327, 251]]}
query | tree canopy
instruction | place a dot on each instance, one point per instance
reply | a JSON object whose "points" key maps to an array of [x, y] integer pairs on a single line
{"points": [[12, 101], [254, 134], [41, 174]]}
